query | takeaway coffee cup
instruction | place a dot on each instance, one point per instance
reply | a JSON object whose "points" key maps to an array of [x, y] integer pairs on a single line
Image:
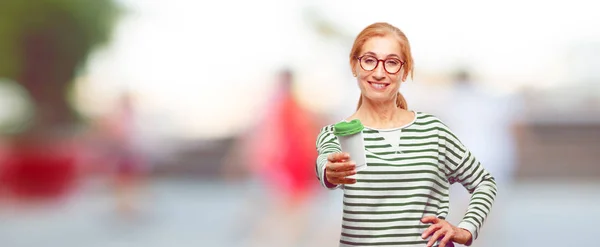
{"points": [[351, 140]]}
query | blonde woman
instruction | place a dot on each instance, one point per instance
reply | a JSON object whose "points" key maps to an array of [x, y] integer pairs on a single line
{"points": [[402, 198]]}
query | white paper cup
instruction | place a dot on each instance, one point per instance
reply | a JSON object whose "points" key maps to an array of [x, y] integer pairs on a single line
{"points": [[355, 146], [350, 136]]}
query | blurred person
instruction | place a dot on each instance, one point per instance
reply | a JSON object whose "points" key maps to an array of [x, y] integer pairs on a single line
{"points": [[402, 197], [117, 132], [275, 153], [493, 122]]}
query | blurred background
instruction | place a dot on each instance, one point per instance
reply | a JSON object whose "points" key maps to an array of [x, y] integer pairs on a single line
{"points": [[193, 123]]}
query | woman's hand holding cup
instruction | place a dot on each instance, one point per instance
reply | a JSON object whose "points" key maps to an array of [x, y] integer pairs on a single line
{"points": [[338, 168]]}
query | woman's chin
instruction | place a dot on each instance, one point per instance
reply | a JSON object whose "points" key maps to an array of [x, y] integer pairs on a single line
{"points": [[379, 98]]}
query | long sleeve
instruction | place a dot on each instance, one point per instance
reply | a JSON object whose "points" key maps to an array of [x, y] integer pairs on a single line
{"points": [[327, 143], [463, 167]]}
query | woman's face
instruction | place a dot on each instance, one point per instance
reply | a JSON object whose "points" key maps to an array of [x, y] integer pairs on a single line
{"points": [[382, 83]]}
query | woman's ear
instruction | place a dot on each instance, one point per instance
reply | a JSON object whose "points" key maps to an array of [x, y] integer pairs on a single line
{"points": [[404, 76], [354, 68]]}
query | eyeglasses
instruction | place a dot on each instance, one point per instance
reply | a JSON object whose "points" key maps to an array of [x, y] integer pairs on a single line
{"points": [[369, 63]]}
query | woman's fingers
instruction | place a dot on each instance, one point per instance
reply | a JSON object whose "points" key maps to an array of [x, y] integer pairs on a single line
{"points": [[340, 166], [337, 173], [436, 236], [440, 230], [343, 181], [447, 238], [430, 230], [340, 175], [337, 157]]}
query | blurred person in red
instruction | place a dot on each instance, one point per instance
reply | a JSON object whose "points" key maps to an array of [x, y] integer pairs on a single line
{"points": [[276, 153]]}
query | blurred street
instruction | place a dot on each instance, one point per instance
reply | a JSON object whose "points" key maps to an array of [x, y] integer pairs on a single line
{"points": [[193, 213]]}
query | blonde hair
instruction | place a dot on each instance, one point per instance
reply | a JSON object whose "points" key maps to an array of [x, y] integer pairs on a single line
{"points": [[381, 29]]}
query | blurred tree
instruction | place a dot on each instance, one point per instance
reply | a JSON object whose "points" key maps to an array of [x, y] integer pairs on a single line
{"points": [[43, 44], [325, 27]]}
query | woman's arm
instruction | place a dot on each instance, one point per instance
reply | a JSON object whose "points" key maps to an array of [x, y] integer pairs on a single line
{"points": [[462, 166], [327, 143]]}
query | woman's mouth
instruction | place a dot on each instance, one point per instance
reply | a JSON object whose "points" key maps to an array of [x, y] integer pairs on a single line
{"points": [[378, 85]]}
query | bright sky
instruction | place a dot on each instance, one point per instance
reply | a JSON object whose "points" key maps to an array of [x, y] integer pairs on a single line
{"points": [[205, 68]]}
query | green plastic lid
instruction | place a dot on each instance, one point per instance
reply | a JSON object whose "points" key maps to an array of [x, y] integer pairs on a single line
{"points": [[348, 128]]}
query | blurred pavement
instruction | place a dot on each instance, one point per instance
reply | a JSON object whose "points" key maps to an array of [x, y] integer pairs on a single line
{"points": [[200, 213]]}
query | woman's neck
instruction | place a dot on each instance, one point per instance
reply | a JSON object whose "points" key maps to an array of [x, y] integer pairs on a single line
{"points": [[382, 114]]}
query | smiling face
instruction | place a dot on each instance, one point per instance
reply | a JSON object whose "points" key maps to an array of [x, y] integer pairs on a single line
{"points": [[385, 54], [381, 59]]}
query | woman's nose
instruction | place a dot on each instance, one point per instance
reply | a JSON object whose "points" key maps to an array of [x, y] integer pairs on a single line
{"points": [[379, 73]]}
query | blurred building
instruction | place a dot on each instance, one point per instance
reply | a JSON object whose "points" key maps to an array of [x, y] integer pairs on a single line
{"points": [[562, 134]]}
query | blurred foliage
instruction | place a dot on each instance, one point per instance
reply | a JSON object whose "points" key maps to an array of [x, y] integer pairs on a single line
{"points": [[324, 26], [16, 111], [44, 44], [88, 23]]}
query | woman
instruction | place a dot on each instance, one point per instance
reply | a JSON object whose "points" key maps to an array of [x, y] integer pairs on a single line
{"points": [[276, 152], [401, 199]]}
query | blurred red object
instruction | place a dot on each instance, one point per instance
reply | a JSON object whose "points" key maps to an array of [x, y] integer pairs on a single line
{"points": [[283, 149], [41, 172]]}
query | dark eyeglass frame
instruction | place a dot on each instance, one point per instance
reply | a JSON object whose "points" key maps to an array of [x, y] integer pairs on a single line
{"points": [[380, 60]]}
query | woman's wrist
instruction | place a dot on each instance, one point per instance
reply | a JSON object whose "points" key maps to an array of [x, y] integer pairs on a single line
{"points": [[327, 183], [464, 236]]}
